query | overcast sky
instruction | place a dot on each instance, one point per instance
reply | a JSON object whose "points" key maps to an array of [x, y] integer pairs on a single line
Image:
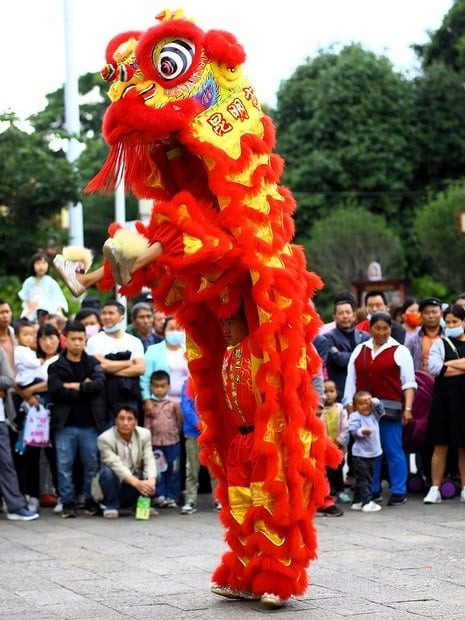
{"points": [[277, 36]]}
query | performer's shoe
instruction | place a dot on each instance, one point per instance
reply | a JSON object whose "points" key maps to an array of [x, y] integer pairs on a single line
{"points": [[232, 593], [67, 270], [273, 600], [120, 265]]}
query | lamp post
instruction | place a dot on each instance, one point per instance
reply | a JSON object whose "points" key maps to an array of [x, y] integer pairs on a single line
{"points": [[72, 124]]}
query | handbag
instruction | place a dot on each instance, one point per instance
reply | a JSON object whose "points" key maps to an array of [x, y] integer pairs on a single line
{"points": [[37, 427], [392, 409]]}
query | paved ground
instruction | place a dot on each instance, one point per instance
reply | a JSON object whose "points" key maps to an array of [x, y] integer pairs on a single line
{"points": [[403, 562]]}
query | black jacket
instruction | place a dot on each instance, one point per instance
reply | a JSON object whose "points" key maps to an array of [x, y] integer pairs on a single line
{"points": [[62, 398]]}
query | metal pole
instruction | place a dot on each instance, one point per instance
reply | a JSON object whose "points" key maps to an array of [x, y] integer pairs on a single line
{"points": [[72, 124]]}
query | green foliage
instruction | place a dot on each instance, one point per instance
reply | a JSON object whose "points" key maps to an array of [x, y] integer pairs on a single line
{"points": [[436, 226], [343, 129], [447, 44], [342, 245], [35, 183], [425, 286], [9, 287]]}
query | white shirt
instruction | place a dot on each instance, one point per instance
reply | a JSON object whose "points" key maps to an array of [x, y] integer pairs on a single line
{"points": [[104, 344], [402, 358]]}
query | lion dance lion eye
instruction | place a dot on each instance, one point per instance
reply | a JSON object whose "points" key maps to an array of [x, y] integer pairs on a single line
{"points": [[175, 58]]}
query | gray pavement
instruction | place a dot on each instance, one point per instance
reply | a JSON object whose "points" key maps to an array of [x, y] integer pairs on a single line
{"points": [[402, 562]]}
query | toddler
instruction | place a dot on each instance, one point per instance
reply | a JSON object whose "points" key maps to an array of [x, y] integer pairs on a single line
{"points": [[364, 428], [165, 424], [27, 363], [335, 417]]}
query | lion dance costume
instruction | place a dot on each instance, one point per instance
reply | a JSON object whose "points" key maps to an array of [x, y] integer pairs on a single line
{"points": [[186, 129]]}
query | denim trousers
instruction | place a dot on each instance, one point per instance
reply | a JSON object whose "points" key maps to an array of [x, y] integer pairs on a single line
{"points": [[391, 442], [68, 441], [169, 481], [116, 494]]}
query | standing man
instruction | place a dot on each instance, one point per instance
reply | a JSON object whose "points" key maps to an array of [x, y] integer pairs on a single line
{"points": [[420, 344], [75, 385], [376, 301], [9, 486], [7, 334], [128, 463], [142, 324], [335, 347], [121, 356]]}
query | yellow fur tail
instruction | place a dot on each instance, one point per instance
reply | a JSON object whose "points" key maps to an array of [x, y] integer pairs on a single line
{"points": [[130, 243], [78, 253]]}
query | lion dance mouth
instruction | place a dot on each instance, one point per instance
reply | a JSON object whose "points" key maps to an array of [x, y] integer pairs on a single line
{"points": [[185, 129]]}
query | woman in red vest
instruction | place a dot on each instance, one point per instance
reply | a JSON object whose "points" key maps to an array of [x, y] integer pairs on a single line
{"points": [[384, 367]]}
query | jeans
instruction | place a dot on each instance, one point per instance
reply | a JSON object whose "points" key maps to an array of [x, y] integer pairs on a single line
{"points": [[169, 481], [363, 468], [68, 440], [391, 441], [116, 494]]}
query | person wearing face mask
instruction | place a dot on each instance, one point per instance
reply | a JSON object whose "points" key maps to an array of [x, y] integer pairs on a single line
{"points": [[90, 318], [121, 356], [411, 318], [170, 356], [446, 422]]}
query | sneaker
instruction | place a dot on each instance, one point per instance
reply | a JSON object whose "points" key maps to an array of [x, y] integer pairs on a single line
{"points": [[397, 500], [120, 264], [233, 593], [371, 507], [69, 511], [110, 513], [272, 600], [462, 495], [217, 507], [22, 514], [58, 507], [154, 512], [32, 503], [67, 270], [377, 497], [170, 503], [434, 496], [331, 511], [188, 508], [91, 507], [356, 506], [343, 498], [160, 501]]}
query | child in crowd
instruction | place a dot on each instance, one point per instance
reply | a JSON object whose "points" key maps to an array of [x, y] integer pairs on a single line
{"points": [[165, 423], [191, 428], [40, 290], [364, 428], [26, 361], [335, 417]]}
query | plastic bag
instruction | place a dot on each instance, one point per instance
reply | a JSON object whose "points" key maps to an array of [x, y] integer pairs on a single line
{"points": [[37, 427]]}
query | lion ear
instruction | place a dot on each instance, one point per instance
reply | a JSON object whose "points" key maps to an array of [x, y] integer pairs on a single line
{"points": [[223, 47]]}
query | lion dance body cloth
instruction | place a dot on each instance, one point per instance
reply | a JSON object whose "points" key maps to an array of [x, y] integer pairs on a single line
{"points": [[185, 129]]}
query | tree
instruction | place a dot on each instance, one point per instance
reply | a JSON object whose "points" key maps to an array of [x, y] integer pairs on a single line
{"points": [[343, 123], [436, 226], [342, 245], [438, 129], [35, 183], [447, 43]]}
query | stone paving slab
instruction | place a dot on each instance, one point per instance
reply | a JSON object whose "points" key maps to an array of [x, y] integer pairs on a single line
{"points": [[405, 562]]}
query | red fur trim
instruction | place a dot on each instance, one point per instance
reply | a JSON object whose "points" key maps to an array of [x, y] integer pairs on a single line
{"points": [[116, 42], [223, 47]]}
